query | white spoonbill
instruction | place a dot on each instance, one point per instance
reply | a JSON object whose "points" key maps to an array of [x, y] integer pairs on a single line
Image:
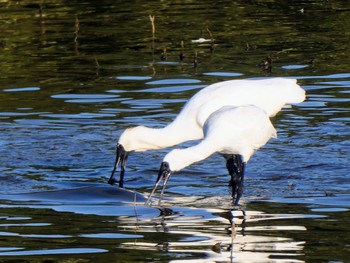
{"points": [[234, 132], [268, 94]]}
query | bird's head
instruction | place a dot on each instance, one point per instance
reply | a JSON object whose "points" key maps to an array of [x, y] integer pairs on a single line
{"points": [[164, 171], [141, 138], [127, 143], [132, 139], [135, 139], [174, 161]]}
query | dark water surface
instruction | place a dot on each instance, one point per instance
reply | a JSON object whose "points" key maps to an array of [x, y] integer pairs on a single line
{"points": [[74, 75]]}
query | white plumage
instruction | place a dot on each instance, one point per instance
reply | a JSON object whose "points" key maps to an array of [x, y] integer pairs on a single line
{"points": [[230, 131], [268, 94]]}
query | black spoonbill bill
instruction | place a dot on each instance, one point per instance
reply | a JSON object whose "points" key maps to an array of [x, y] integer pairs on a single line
{"points": [[269, 94], [235, 133]]}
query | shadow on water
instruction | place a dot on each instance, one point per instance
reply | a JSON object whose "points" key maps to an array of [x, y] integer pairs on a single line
{"points": [[88, 195]]}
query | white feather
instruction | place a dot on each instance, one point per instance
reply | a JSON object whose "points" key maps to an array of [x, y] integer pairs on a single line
{"points": [[268, 94], [230, 130]]}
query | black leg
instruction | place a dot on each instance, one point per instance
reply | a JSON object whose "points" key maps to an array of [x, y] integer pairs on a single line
{"points": [[236, 167], [239, 186], [231, 165]]}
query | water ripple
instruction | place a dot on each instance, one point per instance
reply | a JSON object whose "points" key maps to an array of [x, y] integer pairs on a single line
{"points": [[22, 89], [173, 89], [134, 78], [173, 81], [62, 251], [223, 74]]}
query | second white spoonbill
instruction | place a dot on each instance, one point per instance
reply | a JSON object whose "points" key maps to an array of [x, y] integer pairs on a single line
{"points": [[268, 94], [234, 132]]}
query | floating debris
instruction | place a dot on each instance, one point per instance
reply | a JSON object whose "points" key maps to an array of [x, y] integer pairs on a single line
{"points": [[201, 40]]}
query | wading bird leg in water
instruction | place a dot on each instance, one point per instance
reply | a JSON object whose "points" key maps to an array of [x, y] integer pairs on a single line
{"points": [[240, 183], [121, 157], [269, 94], [232, 164], [236, 167], [227, 132]]}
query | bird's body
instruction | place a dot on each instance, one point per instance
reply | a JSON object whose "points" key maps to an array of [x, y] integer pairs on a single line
{"points": [[268, 94], [229, 131]]}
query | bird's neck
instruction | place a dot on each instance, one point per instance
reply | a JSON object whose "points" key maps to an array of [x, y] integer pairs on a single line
{"points": [[181, 158], [157, 138]]}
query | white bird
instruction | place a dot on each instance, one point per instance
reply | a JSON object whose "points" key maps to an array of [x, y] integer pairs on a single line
{"points": [[231, 131], [268, 94]]}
